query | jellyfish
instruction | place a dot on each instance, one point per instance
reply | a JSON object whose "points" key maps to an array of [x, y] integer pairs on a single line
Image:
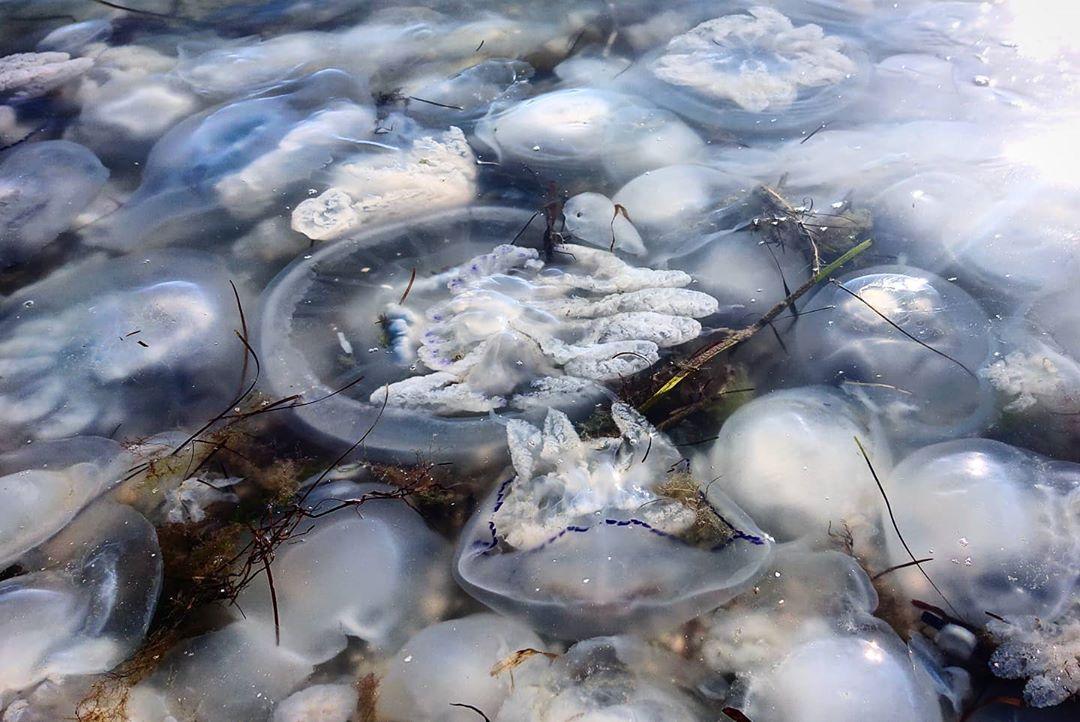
{"points": [[802, 596], [1044, 652], [436, 170], [604, 535], [44, 485], [578, 131], [1037, 373], [1021, 245], [87, 603], [31, 75], [238, 159], [907, 343], [43, 187], [318, 703], [610, 678], [444, 333], [376, 576], [753, 72], [463, 98], [130, 346], [866, 675], [1000, 523], [789, 458], [460, 660]]}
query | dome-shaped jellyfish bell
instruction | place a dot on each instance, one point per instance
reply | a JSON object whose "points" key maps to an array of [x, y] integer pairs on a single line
{"points": [[1020, 246], [1002, 524], [605, 535], [755, 72], [88, 602], [790, 459], [45, 484], [905, 342], [125, 347], [583, 132], [868, 675], [456, 315]]}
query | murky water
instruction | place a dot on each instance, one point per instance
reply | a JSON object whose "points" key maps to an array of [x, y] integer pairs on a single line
{"points": [[667, 362]]}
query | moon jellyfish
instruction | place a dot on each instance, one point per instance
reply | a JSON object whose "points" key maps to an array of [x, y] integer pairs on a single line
{"points": [[463, 98], [458, 660], [1022, 244], [88, 603], [1044, 652], [44, 485], [581, 130], [789, 459], [1000, 522], [31, 75], [1037, 373], [610, 678], [600, 535], [133, 346], [436, 171], [866, 675], [444, 332], [376, 576], [754, 71], [906, 343], [43, 187], [240, 159], [318, 703]]}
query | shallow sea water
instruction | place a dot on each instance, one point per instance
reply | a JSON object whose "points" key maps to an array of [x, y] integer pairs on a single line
{"points": [[535, 362]]}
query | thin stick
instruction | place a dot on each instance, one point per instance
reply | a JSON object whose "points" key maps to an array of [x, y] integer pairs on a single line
{"points": [[896, 527], [698, 360]]}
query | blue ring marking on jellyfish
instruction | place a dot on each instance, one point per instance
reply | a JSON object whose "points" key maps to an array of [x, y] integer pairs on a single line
{"points": [[484, 548]]}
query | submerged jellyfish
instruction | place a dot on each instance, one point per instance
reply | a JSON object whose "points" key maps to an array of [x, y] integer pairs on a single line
{"points": [[31, 75], [790, 459], [444, 324], [43, 187], [436, 170], [601, 535], [755, 72], [1001, 524], [465, 97], [905, 342], [866, 675], [582, 130], [376, 576], [458, 660], [129, 346], [806, 632], [240, 159], [1037, 373], [88, 602], [44, 485]]}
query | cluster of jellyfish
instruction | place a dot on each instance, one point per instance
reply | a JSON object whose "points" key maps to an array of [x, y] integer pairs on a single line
{"points": [[441, 361]]}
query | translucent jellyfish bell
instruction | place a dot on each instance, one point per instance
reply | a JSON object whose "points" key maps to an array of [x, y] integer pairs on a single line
{"points": [[132, 346], [374, 573], [465, 97], [909, 345], [88, 603], [582, 130], [1001, 524], [755, 71], [43, 187], [790, 459], [866, 675], [44, 485], [596, 536], [608, 679], [238, 159], [445, 321], [457, 660]]}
